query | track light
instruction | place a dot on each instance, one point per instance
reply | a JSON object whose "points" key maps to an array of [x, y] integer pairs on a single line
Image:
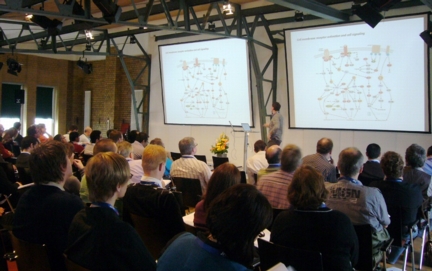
{"points": [[86, 67], [13, 66], [298, 16], [227, 9], [111, 12], [89, 34]]}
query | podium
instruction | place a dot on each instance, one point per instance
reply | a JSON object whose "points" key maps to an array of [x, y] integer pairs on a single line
{"points": [[246, 130]]}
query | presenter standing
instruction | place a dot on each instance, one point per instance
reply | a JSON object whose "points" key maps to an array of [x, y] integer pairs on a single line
{"points": [[276, 125]]}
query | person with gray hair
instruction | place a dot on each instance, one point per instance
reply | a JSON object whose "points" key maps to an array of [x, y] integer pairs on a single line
{"points": [[188, 166], [413, 172], [275, 185], [321, 160], [362, 204]]}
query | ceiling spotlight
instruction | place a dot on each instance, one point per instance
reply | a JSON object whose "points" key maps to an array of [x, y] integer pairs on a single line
{"points": [[110, 10], [298, 16], [52, 26], [211, 26], [13, 66], [86, 67], [28, 17], [89, 34], [227, 9], [88, 46], [132, 39]]}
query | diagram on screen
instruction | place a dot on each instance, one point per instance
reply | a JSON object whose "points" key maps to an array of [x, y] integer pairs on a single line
{"points": [[356, 83], [204, 95]]}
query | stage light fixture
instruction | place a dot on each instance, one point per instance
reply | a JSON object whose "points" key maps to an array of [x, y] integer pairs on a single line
{"points": [[111, 11], [52, 26], [211, 27], [88, 46], [89, 34], [28, 17], [427, 37], [86, 67], [13, 66], [132, 39], [369, 14], [298, 16], [227, 9]]}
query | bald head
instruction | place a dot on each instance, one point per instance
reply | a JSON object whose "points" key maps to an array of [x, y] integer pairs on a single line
{"points": [[104, 145], [88, 130], [324, 145], [350, 162], [273, 154]]}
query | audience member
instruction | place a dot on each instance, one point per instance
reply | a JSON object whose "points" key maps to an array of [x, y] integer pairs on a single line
{"points": [[33, 131], [311, 225], [148, 199], [72, 184], [398, 195], [256, 162], [124, 148], [168, 164], [223, 177], [98, 238], [188, 166], [60, 138], [8, 139], [45, 212], [74, 138], [95, 136], [272, 155], [276, 124], [427, 167], [85, 137], [18, 138], [321, 160], [141, 141], [415, 157], [372, 169], [43, 135], [27, 145], [72, 128], [275, 185], [362, 204], [116, 136], [234, 220]]}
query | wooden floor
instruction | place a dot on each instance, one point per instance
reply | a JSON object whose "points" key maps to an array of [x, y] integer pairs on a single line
{"points": [[427, 261]]}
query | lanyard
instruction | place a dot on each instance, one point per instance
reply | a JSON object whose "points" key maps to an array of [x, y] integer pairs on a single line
{"points": [[149, 183], [104, 205], [210, 249], [393, 180], [352, 180]]}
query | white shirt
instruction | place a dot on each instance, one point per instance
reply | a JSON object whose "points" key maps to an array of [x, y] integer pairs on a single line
{"points": [[136, 170], [88, 149], [190, 167], [137, 149], [254, 164], [84, 139], [151, 179]]}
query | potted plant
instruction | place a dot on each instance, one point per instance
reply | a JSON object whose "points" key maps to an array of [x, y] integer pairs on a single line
{"points": [[221, 146]]}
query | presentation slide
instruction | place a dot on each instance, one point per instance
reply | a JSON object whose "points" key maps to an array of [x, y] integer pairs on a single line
{"points": [[206, 82], [355, 77]]}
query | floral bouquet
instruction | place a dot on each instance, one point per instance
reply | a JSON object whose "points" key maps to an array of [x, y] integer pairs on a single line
{"points": [[221, 145]]}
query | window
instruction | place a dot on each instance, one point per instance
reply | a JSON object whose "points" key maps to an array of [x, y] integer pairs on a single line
{"points": [[44, 108], [10, 111]]}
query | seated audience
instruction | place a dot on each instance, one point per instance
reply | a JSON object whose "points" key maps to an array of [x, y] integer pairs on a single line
{"points": [[371, 169], [275, 185], [85, 137], [428, 163], [72, 128], [234, 220], [148, 199], [138, 145], [98, 239], [256, 162], [397, 194], [43, 135], [27, 145], [45, 212], [311, 225], [60, 138], [73, 184], [116, 136], [188, 166], [168, 164], [8, 139], [18, 138], [272, 155], [415, 157], [74, 138], [223, 177], [95, 136], [322, 160], [124, 148], [362, 204]]}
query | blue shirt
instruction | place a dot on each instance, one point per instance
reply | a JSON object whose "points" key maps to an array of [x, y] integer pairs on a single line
{"points": [[428, 166]]}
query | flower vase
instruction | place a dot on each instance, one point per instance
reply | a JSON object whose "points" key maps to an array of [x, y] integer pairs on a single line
{"points": [[221, 155]]}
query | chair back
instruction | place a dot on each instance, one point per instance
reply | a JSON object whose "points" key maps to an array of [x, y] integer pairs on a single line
{"points": [[201, 158], [364, 235], [175, 155], [72, 266], [217, 161], [24, 175], [9, 170], [31, 257], [190, 188], [301, 260], [152, 233]]}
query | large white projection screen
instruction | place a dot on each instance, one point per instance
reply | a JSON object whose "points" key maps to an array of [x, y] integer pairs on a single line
{"points": [[356, 77], [206, 82]]}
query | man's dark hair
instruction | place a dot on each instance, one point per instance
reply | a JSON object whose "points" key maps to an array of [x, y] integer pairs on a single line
{"points": [[350, 161], [392, 164], [142, 137], [27, 141], [32, 131], [109, 132], [132, 136], [48, 162], [115, 135], [429, 151], [17, 125], [415, 156], [95, 135], [259, 145], [104, 145], [276, 106], [324, 145], [373, 151], [73, 136], [290, 158]]}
